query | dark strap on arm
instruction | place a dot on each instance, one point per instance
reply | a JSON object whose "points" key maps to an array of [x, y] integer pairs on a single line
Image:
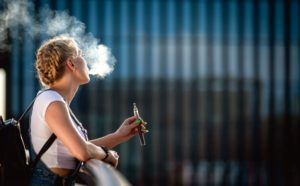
{"points": [[48, 142], [30, 105], [43, 150]]}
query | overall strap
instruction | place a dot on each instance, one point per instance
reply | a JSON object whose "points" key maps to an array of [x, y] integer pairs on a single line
{"points": [[72, 177]]}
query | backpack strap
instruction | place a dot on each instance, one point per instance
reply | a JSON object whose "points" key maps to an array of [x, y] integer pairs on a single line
{"points": [[48, 142], [30, 105], [45, 147]]}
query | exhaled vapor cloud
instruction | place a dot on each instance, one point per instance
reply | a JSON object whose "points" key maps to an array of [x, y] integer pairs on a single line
{"points": [[47, 23]]}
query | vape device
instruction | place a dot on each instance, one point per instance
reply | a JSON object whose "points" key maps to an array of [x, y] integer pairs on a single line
{"points": [[139, 121]]}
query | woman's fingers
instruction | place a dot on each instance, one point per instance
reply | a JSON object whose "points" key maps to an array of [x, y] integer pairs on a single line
{"points": [[130, 120], [115, 154], [112, 158]]}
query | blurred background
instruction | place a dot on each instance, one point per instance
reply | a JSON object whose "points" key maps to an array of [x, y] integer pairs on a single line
{"points": [[217, 81]]}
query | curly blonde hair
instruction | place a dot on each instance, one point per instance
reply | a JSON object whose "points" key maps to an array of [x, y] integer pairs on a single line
{"points": [[51, 57]]}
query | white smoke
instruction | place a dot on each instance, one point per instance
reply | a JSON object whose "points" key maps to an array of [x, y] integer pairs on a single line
{"points": [[105, 63], [14, 14], [47, 23]]}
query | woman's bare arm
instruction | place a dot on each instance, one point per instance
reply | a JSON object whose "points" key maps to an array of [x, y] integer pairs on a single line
{"points": [[59, 121]]}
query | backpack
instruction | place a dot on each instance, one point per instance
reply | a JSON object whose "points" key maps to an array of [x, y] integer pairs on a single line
{"points": [[15, 163], [16, 167], [14, 157]]}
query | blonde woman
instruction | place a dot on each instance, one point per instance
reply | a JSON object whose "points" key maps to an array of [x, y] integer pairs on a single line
{"points": [[62, 68]]}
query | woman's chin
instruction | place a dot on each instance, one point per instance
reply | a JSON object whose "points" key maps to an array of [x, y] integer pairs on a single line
{"points": [[85, 81]]}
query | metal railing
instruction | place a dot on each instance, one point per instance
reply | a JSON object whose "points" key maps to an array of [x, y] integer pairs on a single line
{"points": [[96, 173]]}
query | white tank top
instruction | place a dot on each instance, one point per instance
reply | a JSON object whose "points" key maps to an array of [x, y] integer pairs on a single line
{"points": [[57, 155]]}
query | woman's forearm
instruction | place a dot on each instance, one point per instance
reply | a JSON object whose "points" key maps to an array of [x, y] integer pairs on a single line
{"points": [[95, 152], [126, 131], [110, 140]]}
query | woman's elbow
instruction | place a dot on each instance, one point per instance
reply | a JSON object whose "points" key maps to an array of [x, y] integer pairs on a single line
{"points": [[89, 151], [82, 157], [82, 154]]}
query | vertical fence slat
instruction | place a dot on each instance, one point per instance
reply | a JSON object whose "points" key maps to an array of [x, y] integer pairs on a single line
{"points": [[287, 110], [225, 93], [271, 123]]}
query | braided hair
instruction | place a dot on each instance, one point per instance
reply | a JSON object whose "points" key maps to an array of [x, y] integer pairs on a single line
{"points": [[51, 58]]}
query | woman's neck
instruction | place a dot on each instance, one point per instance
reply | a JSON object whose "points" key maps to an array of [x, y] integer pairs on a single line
{"points": [[67, 91]]}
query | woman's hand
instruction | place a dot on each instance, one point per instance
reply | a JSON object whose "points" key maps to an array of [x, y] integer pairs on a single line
{"points": [[128, 129], [112, 158]]}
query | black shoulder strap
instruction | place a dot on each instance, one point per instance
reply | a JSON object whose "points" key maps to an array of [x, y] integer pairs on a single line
{"points": [[43, 150], [48, 142], [30, 105]]}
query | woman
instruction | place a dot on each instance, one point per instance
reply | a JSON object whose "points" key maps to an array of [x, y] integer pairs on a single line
{"points": [[61, 67]]}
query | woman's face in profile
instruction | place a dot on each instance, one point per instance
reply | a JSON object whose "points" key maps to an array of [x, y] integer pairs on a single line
{"points": [[82, 71]]}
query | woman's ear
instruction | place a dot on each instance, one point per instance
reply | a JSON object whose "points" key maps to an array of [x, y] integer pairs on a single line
{"points": [[70, 64]]}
